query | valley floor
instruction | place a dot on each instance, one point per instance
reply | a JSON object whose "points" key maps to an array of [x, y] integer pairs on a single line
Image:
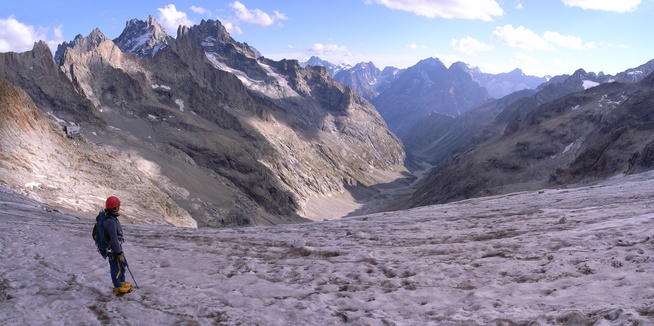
{"points": [[582, 256]]}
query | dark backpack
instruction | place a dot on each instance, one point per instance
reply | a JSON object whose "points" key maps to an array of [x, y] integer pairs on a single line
{"points": [[99, 236]]}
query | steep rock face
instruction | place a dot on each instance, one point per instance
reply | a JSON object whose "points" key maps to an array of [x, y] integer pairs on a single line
{"points": [[623, 142], [243, 140], [584, 136], [424, 88], [81, 43], [143, 38], [36, 72], [75, 174]]}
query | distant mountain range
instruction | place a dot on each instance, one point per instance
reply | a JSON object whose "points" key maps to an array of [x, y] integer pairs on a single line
{"points": [[488, 134], [367, 79], [406, 96]]}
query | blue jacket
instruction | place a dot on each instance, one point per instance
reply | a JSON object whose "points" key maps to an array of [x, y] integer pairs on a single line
{"points": [[114, 233]]}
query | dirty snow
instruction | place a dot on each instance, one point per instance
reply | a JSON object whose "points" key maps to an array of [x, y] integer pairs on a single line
{"points": [[581, 256]]}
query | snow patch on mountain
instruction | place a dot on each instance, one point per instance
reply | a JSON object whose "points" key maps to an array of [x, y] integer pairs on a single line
{"points": [[589, 84], [164, 87], [280, 89], [180, 104]]}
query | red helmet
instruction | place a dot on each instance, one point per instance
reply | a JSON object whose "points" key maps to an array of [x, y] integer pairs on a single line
{"points": [[113, 202]]}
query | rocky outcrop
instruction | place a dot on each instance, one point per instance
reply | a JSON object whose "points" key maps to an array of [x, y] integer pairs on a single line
{"points": [[37, 73], [77, 175]]}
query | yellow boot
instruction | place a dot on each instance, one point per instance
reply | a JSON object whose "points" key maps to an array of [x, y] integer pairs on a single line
{"points": [[124, 288]]}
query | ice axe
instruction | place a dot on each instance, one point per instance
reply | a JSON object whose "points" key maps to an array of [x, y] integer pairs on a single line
{"points": [[130, 273]]}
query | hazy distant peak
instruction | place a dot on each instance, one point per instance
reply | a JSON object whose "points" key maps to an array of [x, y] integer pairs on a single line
{"points": [[431, 62], [460, 66]]}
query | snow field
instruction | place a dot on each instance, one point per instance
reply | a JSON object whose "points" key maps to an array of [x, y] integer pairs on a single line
{"points": [[550, 257]]}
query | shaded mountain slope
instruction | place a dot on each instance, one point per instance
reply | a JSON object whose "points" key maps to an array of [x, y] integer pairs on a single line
{"points": [[588, 135], [437, 138]]}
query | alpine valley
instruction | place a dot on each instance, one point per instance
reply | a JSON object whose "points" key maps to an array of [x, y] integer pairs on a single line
{"points": [[200, 130]]}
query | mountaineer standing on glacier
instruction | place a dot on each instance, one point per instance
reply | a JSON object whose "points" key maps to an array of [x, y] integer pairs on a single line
{"points": [[108, 235]]}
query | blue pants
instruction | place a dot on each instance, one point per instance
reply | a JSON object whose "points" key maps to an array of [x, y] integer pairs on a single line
{"points": [[117, 271]]}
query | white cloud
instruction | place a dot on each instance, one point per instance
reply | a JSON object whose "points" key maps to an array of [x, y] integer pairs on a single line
{"points": [[470, 46], [199, 10], [59, 32], [256, 16], [568, 41], [416, 46], [232, 28], [590, 45], [58, 38], [328, 49], [170, 18], [520, 37], [620, 6], [465, 9], [16, 36], [448, 59]]}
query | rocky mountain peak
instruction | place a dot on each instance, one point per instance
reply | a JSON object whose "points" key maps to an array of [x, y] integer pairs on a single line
{"points": [[94, 39], [41, 47], [365, 66], [143, 38], [460, 66], [333, 68], [216, 29], [427, 87], [182, 31], [635, 74], [81, 43], [430, 62], [363, 78], [224, 53], [516, 72]]}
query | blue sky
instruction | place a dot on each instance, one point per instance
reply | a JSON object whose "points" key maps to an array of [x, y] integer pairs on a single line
{"points": [[541, 37]]}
